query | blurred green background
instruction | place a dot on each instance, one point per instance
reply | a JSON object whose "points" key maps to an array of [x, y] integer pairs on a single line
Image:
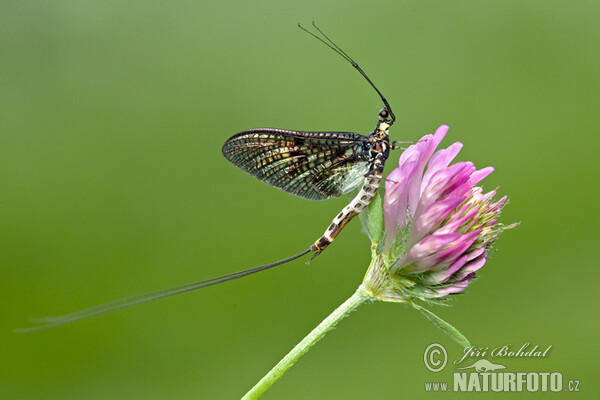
{"points": [[112, 117]]}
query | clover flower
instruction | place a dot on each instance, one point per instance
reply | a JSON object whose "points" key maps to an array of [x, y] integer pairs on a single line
{"points": [[439, 226], [429, 236]]}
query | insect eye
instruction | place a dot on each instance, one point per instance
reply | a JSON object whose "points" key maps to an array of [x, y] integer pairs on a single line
{"points": [[383, 114]]}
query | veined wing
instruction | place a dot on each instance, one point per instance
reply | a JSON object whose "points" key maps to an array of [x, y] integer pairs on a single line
{"points": [[311, 165]]}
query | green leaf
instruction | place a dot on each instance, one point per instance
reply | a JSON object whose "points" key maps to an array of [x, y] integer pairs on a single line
{"points": [[372, 219], [444, 326]]}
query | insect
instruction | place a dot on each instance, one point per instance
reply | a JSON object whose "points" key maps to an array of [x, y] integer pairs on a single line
{"points": [[310, 165], [318, 165]]}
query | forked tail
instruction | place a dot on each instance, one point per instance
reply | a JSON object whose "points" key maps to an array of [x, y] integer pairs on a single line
{"points": [[50, 322]]}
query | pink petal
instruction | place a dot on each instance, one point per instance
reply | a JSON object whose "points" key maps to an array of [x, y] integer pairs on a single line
{"points": [[442, 258], [432, 218], [462, 216], [442, 276], [463, 277], [477, 176], [441, 159], [441, 292], [459, 190], [476, 253], [439, 134], [454, 226], [427, 148], [498, 205], [487, 195], [475, 264], [430, 245], [443, 182], [395, 200], [403, 184]]}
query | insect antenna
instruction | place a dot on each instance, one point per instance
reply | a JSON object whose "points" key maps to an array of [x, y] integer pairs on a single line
{"points": [[331, 44], [50, 322]]}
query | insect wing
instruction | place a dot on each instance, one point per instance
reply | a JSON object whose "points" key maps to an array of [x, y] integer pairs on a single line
{"points": [[310, 165]]}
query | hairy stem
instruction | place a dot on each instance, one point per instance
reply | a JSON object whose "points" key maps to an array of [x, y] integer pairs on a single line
{"points": [[309, 341]]}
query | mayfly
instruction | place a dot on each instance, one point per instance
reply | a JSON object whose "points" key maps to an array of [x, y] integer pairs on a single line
{"points": [[310, 165]]}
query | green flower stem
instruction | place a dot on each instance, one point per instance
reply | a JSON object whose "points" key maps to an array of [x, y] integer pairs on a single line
{"points": [[359, 297]]}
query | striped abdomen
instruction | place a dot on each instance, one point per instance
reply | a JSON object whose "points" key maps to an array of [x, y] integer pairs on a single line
{"points": [[358, 204]]}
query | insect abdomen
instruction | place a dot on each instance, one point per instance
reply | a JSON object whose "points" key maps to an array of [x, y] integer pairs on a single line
{"points": [[358, 204]]}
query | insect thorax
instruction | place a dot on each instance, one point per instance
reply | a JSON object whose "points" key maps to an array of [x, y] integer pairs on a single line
{"points": [[380, 142]]}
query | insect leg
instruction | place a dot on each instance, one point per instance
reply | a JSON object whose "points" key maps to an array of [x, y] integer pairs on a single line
{"points": [[397, 145]]}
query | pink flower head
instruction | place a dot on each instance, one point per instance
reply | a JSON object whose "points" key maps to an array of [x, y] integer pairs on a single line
{"points": [[438, 224]]}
